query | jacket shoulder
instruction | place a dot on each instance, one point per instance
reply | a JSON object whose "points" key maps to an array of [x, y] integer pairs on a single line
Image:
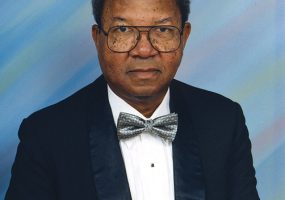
{"points": [[73, 105], [205, 108], [198, 95], [60, 117]]}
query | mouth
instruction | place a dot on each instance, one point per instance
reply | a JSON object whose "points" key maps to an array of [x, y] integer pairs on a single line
{"points": [[144, 73]]}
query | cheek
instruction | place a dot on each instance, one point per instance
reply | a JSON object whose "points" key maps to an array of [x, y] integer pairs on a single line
{"points": [[173, 61], [113, 65]]}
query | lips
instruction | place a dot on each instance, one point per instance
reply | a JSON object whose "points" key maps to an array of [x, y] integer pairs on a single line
{"points": [[144, 70], [144, 73]]}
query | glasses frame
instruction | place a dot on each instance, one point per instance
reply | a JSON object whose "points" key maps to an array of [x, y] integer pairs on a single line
{"points": [[106, 33]]}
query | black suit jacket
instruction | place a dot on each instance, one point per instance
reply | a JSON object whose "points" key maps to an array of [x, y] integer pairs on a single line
{"points": [[70, 151]]}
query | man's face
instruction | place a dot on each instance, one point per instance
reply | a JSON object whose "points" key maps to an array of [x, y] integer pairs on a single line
{"points": [[142, 72]]}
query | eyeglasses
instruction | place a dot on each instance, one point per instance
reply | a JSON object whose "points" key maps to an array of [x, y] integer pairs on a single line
{"points": [[125, 38]]}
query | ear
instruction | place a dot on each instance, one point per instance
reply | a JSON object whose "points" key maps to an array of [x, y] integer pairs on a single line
{"points": [[186, 33], [95, 34]]}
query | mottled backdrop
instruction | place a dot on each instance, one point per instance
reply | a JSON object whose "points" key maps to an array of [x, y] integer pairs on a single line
{"points": [[237, 48]]}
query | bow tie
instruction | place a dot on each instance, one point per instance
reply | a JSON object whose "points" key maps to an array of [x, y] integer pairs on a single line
{"points": [[131, 125]]}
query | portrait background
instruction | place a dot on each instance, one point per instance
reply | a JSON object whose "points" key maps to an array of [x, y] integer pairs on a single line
{"points": [[236, 48]]}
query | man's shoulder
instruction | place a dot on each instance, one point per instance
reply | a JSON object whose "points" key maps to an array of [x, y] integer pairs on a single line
{"points": [[72, 106], [197, 95], [206, 110], [64, 106], [202, 105]]}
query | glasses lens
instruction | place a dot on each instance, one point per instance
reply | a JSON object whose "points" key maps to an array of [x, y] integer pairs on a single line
{"points": [[122, 38], [165, 38]]}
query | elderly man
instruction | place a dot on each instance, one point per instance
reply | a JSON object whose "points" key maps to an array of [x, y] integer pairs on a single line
{"points": [[135, 133]]}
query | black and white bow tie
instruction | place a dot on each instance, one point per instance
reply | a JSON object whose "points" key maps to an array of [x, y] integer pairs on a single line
{"points": [[131, 125]]}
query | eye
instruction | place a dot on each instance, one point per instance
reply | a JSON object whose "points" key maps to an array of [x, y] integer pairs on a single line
{"points": [[163, 29], [123, 29]]}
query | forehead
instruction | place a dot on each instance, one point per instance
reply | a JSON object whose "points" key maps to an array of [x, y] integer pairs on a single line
{"points": [[141, 12]]}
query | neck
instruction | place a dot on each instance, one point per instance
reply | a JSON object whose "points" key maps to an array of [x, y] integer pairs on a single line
{"points": [[146, 105]]}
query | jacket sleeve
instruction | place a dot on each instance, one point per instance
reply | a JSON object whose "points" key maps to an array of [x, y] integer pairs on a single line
{"points": [[31, 173], [242, 179]]}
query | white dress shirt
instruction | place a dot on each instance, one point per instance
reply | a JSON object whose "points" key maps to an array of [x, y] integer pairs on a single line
{"points": [[147, 158]]}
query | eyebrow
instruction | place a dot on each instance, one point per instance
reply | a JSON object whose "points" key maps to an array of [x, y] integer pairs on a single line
{"points": [[160, 21], [164, 20], [118, 19]]}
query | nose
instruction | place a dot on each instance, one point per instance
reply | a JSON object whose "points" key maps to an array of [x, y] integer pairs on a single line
{"points": [[143, 49]]}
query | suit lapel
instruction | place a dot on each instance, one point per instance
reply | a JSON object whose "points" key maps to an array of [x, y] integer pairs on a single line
{"points": [[106, 159], [188, 171]]}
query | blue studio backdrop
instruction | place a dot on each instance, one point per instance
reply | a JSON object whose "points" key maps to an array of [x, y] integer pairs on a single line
{"points": [[236, 48]]}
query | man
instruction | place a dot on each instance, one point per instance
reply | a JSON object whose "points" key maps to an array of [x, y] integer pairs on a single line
{"points": [[116, 139]]}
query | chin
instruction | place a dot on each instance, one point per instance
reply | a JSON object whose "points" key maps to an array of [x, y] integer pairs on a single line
{"points": [[147, 92]]}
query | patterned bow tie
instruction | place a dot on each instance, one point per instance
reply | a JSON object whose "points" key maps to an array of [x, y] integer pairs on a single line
{"points": [[131, 125]]}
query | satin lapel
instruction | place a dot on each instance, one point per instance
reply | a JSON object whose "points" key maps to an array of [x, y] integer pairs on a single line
{"points": [[188, 170], [107, 162]]}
